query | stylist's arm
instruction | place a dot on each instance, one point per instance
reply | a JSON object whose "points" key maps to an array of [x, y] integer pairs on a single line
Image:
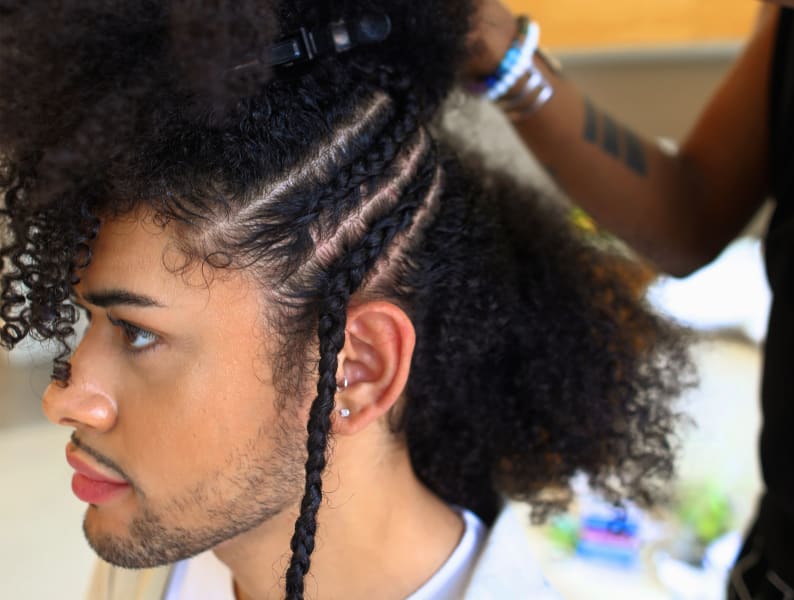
{"points": [[678, 209]]}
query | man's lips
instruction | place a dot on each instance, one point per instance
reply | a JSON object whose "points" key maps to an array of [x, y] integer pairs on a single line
{"points": [[89, 484], [88, 471]]}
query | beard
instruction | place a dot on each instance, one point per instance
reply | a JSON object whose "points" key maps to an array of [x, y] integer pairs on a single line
{"points": [[220, 507]]}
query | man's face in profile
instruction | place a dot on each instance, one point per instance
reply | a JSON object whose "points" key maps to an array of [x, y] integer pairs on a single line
{"points": [[178, 443]]}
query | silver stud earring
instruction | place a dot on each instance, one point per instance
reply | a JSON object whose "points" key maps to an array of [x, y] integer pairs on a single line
{"points": [[344, 413]]}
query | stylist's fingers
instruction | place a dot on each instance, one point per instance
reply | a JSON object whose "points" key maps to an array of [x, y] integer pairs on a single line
{"points": [[492, 32]]}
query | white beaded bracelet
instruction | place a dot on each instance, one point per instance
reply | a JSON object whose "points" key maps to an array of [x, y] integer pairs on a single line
{"points": [[536, 91], [520, 67], [536, 87]]}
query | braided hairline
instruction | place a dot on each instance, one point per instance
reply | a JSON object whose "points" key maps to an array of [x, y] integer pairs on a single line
{"points": [[287, 296], [326, 154], [266, 212], [382, 277], [381, 202]]}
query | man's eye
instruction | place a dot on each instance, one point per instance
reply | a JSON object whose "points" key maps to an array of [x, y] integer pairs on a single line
{"points": [[135, 338]]}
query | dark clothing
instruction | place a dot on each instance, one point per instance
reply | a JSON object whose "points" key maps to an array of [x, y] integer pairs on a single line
{"points": [[765, 569]]}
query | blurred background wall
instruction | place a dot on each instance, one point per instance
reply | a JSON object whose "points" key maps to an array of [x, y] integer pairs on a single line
{"points": [[589, 24]]}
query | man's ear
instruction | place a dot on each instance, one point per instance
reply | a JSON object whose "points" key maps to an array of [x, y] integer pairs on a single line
{"points": [[375, 363]]}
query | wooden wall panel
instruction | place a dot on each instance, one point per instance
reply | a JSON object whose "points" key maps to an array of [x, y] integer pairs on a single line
{"points": [[615, 23]]}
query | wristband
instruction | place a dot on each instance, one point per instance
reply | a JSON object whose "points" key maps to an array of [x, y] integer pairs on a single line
{"points": [[516, 61], [534, 94]]}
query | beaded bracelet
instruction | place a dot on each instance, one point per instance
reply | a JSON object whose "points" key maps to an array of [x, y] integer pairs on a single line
{"points": [[516, 61], [513, 53], [534, 94], [519, 61]]}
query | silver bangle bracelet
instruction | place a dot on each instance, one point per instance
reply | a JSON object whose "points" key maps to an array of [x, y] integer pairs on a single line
{"points": [[537, 88]]}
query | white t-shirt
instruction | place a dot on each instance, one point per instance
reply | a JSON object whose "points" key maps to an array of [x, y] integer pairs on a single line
{"points": [[204, 577]]}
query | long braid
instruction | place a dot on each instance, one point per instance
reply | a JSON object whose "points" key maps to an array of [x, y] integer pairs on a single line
{"points": [[331, 332], [344, 278]]}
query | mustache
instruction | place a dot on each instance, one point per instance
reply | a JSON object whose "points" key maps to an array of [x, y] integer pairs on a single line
{"points": [[102, 459]]}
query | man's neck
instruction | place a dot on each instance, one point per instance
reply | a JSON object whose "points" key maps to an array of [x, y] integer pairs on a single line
{"points": [[381, 534]]}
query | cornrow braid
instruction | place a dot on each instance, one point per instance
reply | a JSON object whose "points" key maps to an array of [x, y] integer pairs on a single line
{"points": [[343, 279], [338, 193], [331, 332], [374, 162]]}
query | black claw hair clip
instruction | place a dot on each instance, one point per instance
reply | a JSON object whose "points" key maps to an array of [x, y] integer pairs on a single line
{"points": [[306, 44]]}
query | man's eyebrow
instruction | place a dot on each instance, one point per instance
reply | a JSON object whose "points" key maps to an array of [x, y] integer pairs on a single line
{"points": [[119, 297]]}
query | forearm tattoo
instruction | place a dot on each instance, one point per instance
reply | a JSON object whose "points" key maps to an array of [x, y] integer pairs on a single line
{"points": [[619, 142]]}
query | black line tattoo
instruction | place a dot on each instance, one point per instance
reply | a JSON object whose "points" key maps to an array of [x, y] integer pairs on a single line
{"points": [[635, 153], [611, 143], [619, 142]]}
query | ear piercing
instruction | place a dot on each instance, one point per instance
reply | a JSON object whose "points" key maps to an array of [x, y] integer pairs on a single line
{"points": [[341, 387]]}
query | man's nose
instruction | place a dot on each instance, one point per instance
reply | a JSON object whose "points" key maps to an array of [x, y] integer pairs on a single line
{"points": [[79, 404]]}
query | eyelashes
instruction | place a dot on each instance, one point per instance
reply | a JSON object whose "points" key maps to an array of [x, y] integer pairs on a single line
{"points": [[136, 339]]}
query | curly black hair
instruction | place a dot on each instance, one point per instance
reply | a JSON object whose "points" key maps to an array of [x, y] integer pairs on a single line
{"points": [[536, 357]]}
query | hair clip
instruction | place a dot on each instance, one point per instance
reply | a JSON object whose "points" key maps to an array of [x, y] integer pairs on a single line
{"points": [[308, 44]]}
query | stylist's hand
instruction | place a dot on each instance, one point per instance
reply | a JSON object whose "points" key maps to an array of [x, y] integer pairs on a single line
{"points": [[493, 30]]}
